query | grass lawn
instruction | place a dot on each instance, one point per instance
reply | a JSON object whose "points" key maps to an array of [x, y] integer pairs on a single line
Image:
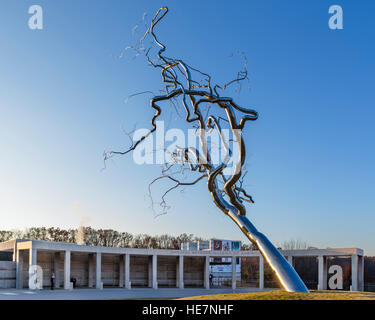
{"points": [[283, 295]]}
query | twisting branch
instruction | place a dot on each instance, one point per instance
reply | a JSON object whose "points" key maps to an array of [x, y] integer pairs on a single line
{"points": [[192, 94], [178, 183], [181, 82]]}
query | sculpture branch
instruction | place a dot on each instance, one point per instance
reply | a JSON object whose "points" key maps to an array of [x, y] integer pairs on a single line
{"points": [[193, 93]]}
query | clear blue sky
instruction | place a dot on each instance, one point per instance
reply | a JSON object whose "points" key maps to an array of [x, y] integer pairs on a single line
{"points": [[311, 154]]}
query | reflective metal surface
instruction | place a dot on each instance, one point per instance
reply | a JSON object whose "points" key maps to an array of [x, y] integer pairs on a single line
{"points": [[226, 189], [286, 274], [288, 277]]}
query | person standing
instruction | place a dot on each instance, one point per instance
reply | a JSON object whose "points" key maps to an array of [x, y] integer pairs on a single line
{"points": [[211, 278], [53, 279]]}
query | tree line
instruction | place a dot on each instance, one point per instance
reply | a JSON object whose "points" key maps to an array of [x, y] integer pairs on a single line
{"points": [[105, 238]]}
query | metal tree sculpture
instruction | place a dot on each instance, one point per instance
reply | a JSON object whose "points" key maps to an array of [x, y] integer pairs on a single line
{"points": [[226, 191]]}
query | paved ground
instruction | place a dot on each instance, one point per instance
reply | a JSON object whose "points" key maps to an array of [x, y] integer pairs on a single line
{"points": [[112, 293]]}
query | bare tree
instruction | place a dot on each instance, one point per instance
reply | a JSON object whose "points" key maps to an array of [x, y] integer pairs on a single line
{"points": [[207, 110], [293, 244]]}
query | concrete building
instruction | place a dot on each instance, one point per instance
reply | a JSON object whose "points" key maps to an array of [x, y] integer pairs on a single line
{"points": [[98, 267], [221, 268]]}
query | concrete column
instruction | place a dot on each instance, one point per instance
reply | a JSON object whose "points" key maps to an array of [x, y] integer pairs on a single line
{"points": [[32, 257], [177, 270], [33, 262], [234, 278], [149, 272], [361, 268], [354, 272], [56, 260], [91, 272], [127, 271], [98, 275], [180, 272], [19, 269], [290, 260], [207, 272], [261, 272], [67, 284], [14, 256], [154, 272], [121, 271], [322, 273]]}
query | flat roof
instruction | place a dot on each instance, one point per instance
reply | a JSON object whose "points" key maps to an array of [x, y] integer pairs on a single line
{"points": [[42, 245]]}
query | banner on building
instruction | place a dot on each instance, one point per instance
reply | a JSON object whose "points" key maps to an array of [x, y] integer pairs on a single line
{"points": [[226, 245], [218, 245], [236, 245]]}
